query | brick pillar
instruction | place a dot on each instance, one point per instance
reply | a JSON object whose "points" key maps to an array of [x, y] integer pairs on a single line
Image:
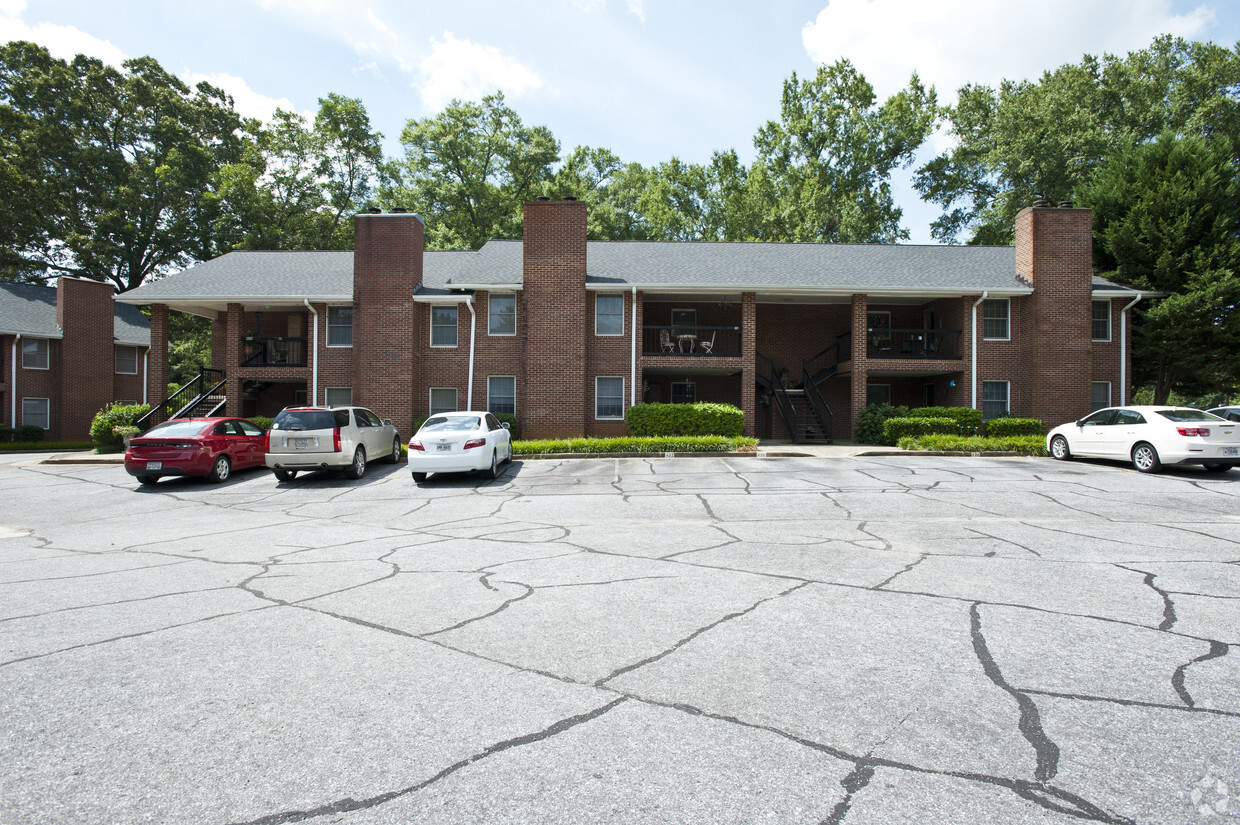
{"points": [[860, 370], [1054, 252], [232, 359], [157, 365], [749, 361], [84, 312], [387, 268], [558, 395]]}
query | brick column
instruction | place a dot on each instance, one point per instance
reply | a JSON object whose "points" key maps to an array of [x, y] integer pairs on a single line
{"points": [[860, 369], [85, 313], [749, 360], [232, 359], [157, 365]]}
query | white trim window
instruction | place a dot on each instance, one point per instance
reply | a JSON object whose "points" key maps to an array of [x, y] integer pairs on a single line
{"points": [[608, 397], [443, 399], [502, 314], [37, 412], [502, 394], [1099, 395], [35, 354], [444, 322], [995, 397], [996, 319], [338, 396], [608, 314], [126, 360], [340, 326], [1100, 323]]}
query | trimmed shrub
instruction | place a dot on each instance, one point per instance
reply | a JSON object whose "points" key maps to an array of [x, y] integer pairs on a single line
{"points": [[262, 421], [29, 434], [1023, 444], [900, 427], [1002, 427], [114, 415], [966, 418], [702, 418], [514, 431], [869, 429], [6, 434], [678, 444]]}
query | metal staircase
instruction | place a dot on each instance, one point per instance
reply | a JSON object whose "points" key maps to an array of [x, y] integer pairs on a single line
{"points": [[201, 396]]}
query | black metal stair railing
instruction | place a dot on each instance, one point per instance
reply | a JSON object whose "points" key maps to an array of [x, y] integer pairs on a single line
{"points": [[779, 393], [202, 392]]}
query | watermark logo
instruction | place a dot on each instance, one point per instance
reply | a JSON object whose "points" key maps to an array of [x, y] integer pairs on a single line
{"points": [[1212, 799]]}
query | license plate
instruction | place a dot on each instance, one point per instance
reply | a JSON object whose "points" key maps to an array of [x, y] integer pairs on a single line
{"points": [[444, 448], [1231, 451], [301, 443], [154, 465]]}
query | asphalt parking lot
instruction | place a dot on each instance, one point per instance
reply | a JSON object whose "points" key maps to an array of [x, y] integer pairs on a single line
{"points": [[854, 640]]}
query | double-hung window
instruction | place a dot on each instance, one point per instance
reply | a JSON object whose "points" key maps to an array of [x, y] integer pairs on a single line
{"points": [[340, 326], [996, 321], [443, 325], [1101, 322], [338, 396], [443, 399], [608, 397], [609, 315], [994, 399], [37, 412], [127, 360], [1099, 395], [34, 354], [502, 394], [502, 315]]}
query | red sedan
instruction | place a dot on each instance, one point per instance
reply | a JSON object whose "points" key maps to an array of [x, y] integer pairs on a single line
{"points": [[211, 447]]}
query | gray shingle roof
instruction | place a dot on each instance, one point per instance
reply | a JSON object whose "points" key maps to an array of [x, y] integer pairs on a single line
{"points": [[30, 309]]}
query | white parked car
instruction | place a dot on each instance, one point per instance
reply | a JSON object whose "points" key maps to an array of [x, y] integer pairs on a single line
{"points": [[459, 442], [1150, 437]]}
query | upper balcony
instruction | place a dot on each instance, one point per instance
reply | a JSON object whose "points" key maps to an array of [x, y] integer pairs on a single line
{"points": [[691, 341], [915, 344], [273, 352]]}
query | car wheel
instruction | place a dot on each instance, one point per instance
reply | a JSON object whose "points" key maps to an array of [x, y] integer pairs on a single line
{"points": [[1145, 458], [1217, 468], [494, 471], [394, 458], [1059, 448], [285, 475], [508, 460], [358, 468], [418, 478], [219, 470], [148, 480]]}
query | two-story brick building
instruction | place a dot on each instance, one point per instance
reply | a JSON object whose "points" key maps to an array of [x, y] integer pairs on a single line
{"points": [[567, 333], [67, 352]]}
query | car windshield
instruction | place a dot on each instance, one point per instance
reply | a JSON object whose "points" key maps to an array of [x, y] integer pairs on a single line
{"points": [[305, 420], [1185, 414], [449, 425], [175, 429]]}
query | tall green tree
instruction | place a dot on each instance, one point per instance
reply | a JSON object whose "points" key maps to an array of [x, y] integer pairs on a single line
{"points": [[1167, 218], [468, 170], [107, 173]]}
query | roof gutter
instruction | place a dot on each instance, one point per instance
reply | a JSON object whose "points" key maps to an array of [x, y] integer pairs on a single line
{"points": [[314, 358], [973, 347], [1123, 349], [13, 383]]}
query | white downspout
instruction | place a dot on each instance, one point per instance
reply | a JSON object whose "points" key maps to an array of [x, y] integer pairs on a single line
{"points": [[973, 330], [633, 356], [13, 383], [1123, 349], [314, 355], [146, 373], [473, 331]]}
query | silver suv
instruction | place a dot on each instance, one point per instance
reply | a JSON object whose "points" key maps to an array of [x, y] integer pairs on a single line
{"points": [[329, 438]]}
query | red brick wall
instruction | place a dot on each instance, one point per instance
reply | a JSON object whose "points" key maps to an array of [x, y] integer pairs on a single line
{"points": [[33, 384], [84, 311], [157, 388]]}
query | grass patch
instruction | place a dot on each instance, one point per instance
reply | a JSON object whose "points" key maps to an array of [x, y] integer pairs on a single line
{"points": [[43, 446], [636, 444], [1023, 444]]}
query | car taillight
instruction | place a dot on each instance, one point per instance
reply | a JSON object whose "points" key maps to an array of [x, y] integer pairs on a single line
{"points": [[336, 440], [1202, 431], [474, 442], [267, 441], [417, 445]]}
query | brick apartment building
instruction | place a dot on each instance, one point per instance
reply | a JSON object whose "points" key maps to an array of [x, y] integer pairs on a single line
{"points": [[567, 333], [68, 351]]}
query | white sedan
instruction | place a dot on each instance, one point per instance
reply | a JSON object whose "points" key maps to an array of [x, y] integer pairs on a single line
{"points": [[459, 442], [1150, 437]]}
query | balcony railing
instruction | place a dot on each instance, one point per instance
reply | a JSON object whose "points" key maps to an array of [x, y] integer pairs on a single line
{"points": [[916, 344], [274, 352], [692, 342]]}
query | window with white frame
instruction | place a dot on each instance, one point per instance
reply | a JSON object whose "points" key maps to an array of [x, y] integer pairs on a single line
{"points": [[1101, 321], [34, 354], [127, 360], [338, 396], [684, 392], [340, 326], [996, 313], [37, 412], [502, 394], [502, 315], [1099, 395], [609, 315], [443, 399], [994, 399], [608, 397], [443, 325]]}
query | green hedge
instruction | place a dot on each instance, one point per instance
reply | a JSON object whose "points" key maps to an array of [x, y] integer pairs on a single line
{"points": [[263, 422], [908, 427], [114, 415], [967, 418], [25, 434], [646, 444], [1024, 444], [869, 429], [1002, 427], [702, 418], [43, 446]]}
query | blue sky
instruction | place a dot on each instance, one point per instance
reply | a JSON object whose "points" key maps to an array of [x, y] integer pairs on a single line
{"points": [[648, 79]]}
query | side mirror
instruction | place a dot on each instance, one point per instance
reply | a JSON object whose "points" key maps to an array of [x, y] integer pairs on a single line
{"points": [[504, 424], [1080, 422], [387, 422]]}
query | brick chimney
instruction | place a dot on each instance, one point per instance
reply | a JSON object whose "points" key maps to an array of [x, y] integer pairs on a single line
{"points": [[1054, 253], [558, 392], [387, 268], [84, 312]]}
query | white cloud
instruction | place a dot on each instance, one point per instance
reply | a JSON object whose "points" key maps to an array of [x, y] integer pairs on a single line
{"points": [[462, 69], [246, 101], [65, 42], [637, 7], [953, 42]]}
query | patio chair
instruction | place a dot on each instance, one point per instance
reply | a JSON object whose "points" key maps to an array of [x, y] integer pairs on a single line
{"points": [[665, 341], [707, 344]]}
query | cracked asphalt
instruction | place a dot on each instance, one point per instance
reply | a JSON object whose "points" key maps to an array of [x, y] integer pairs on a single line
{"points": [[895, 639]]}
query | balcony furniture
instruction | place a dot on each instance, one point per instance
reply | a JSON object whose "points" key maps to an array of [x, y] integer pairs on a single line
{"points": [[708, 344], [665, 341], [684, 339], [907, 347]]}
